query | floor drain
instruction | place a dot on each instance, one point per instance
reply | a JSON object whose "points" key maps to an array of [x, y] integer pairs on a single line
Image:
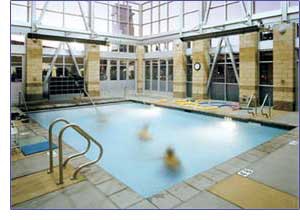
{"points": [[245, 172], [293, 142]]}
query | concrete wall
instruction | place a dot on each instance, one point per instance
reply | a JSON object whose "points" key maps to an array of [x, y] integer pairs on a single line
{"points": [[249, 75], [284, 67], [33, 76], [179, 69], [92, 65], [200, 54]]}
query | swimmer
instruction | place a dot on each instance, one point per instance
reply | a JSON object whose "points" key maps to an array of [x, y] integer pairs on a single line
{"points": [[144, 134], [170, 159]]}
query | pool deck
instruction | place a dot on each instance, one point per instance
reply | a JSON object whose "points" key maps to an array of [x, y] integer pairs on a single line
{"points": [[273, 184]]}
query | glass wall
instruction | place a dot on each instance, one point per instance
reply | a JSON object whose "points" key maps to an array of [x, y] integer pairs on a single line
{"points": [[159, 75], [118, 17], [189, 76], [16, 69], [160, 17], [224, 85], [265, 75], [117, 70]]}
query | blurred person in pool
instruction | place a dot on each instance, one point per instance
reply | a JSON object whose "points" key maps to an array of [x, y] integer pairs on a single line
{"points": [[144, 133], [170, 159]]}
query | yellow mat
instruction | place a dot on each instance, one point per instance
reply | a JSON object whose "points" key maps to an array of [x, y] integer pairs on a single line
{"points": [[250, 194], [41, 183]]}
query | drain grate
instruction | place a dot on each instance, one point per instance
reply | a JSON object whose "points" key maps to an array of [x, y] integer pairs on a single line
{"points": [[245, 172]]}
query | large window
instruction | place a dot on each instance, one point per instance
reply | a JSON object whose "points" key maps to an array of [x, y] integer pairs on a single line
{"points": [[189, 76], [103, 70], [113, 70], [123, 70], [160, 17], [118, 17], [16, 69], [265, 74], [221, 11], [224, 84], [159, 75]]}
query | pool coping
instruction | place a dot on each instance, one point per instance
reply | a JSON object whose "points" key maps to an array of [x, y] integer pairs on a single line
{"points": [[169, 198], [265, 122]]}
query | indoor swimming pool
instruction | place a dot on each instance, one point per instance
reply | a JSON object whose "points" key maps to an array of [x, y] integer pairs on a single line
{"points": [[200, 141]]}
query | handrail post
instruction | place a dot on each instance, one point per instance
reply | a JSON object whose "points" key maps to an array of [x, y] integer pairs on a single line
{"points": [[50, 170]]}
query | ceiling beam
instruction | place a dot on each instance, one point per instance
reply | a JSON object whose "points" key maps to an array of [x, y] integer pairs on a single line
{"points": [[66, 39], [222, 33]]}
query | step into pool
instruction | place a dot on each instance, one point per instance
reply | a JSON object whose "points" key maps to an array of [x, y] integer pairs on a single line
{"points": [[200, 141]]}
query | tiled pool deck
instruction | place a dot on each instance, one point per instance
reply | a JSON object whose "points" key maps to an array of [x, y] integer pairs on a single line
{"points": [[275, 165]]}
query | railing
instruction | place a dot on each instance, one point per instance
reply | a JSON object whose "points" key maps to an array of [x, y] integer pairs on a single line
{"points": [[269, 114], [60, 149], [22, 98], [89, 97], [252, 111]]}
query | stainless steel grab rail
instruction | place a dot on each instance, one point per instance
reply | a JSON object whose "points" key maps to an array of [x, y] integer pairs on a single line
{"points": [[60, 149], [267, 115], [50, 141], [87, 137], [255, 105]]}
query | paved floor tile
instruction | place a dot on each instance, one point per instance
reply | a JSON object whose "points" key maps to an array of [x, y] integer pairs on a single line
{"points": [[125, 198], [145, 204], [200, 182], [183, 191], [164, 200], [206, 200], [111, 186]]}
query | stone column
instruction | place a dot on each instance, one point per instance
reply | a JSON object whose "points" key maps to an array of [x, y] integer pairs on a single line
{"points": [[284, 67], [179, 69], [34, 69], [140, 51], [200, 54], [91, 73], [249, 75]]}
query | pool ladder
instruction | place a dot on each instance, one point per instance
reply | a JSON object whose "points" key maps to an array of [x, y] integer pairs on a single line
{"points": [[269, 113], [63, 164], [252, 111]]}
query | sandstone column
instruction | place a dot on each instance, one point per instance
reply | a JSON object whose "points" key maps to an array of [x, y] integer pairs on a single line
{"points": [[249, 75], [34, 68], [200, 54], [91, 73], [140, 51], [179, 69], [284, 67]]}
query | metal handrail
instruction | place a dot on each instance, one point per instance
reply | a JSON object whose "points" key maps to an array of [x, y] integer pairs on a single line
{"points": [[90, 98], [50, 141], [21, 96], [255, 105], [267, 115], [87, 137]]}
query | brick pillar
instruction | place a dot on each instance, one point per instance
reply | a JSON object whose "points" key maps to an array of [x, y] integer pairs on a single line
{"points": [[249, 75], [140, 51], [284, 67], [34, 68], [179, 69], [91, 73], [200, 54]]}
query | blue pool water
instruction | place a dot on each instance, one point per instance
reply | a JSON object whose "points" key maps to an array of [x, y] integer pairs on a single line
{"points": [[200, 141]]}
